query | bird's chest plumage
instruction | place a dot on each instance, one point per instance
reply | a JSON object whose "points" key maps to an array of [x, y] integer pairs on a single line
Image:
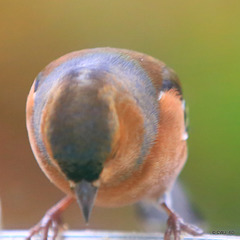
{"points": [[160, 167]]}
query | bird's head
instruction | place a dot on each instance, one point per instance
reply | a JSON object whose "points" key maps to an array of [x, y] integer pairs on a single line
{"points": [[79, 124]]}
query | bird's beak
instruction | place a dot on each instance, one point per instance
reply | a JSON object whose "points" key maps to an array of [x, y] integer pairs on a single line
{"points": [[85, 194]]}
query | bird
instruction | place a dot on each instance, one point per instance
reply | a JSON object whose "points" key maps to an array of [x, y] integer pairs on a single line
{"points": [[108, 127]]}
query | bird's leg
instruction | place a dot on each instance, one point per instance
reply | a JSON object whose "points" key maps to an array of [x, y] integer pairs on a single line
{"points": [[52, 218], [175, 225]]}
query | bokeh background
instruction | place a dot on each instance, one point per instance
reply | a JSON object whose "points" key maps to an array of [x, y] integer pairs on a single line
{"points": [[199, 39]]}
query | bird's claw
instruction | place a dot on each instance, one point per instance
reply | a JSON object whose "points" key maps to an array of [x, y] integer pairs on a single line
{"points": [[51, 220], [175, 225]]}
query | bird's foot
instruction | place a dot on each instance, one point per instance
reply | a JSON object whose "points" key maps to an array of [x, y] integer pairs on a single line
{"points": [[175, 225], [51, 220]]}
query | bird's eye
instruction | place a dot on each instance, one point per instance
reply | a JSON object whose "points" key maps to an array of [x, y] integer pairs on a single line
{"points": [[170, 80]]}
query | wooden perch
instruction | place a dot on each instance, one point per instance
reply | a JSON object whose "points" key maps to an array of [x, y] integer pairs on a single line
{"points": [[104, 235]]}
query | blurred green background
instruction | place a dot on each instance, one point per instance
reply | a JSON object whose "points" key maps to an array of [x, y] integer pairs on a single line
{"points": [[199, 39]]}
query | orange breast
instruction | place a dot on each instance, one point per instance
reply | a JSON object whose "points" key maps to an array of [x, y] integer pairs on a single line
{"points": [[161, 166], [151, 179]]}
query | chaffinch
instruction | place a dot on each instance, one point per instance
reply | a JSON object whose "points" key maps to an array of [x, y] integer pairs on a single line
{"points": [[107, 127]]}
